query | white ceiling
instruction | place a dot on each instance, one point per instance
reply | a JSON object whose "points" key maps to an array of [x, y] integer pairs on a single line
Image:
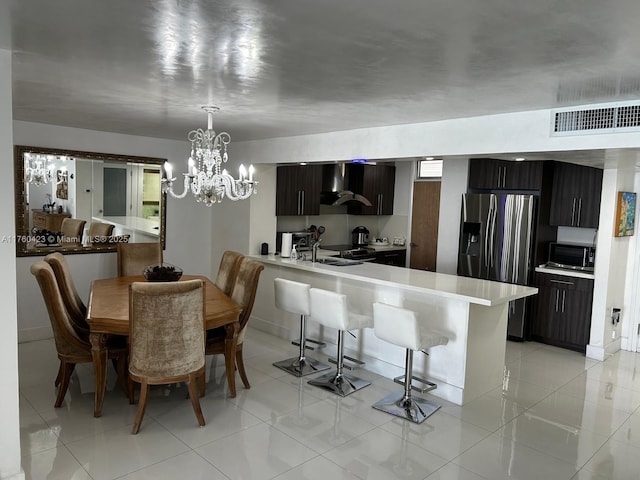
{"points": [[279, 68]]}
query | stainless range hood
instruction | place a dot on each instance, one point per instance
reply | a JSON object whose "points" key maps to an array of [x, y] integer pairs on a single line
{"points": [[334, 192]]}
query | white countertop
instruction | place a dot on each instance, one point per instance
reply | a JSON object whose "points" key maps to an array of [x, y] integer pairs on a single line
{"points": [[472, 290], [138, 224], [565, 272]]}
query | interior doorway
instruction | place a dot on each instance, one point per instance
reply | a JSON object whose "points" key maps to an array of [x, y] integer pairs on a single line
{"points": [[425, 215]]}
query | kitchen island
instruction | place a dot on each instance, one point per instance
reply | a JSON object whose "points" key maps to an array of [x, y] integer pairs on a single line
{"points": [[471, 312]]}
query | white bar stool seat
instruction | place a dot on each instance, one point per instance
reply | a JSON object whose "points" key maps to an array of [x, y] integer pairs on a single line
{"points": [[293, 297], [330, 309], [401, 327]]}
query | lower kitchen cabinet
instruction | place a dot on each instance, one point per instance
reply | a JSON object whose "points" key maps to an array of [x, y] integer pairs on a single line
{"points": [[391, 257], [562, 311]]}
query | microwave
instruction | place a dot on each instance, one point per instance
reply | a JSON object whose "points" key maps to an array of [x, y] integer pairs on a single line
{"points": [[574, 257], [302, 240]]}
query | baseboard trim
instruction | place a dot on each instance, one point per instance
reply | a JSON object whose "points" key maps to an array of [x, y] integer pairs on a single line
{"points": [[602, 353], [34, 334]]}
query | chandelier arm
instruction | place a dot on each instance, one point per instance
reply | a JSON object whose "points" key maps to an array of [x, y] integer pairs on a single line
{"points": [[167, 186]]}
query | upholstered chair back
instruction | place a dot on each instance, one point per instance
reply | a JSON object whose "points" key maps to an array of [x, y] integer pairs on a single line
{"points": [[228, 270], [167, 329], [134, 257], [244, 290], [72, 230], [75, 306], [98, 232], [68, 342]]}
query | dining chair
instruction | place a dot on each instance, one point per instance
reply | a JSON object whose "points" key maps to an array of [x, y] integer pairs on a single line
{"points": [[99, 231], [75, 306], [244, 294], [70, 347], [72, 230], [166, 340], [228, 270], [134, 257]]}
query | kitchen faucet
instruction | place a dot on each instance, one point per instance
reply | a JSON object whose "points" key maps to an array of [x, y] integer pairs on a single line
{"points": [[314, 251]]}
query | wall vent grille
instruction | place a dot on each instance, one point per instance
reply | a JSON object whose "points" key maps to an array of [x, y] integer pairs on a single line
{"points": [[615, 118]]}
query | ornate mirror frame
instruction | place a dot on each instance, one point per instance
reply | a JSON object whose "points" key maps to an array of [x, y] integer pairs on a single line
{"points": [[22, 234]]}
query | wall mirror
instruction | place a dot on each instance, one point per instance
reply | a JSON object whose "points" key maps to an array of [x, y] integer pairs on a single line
{"points": [[64, 198]]}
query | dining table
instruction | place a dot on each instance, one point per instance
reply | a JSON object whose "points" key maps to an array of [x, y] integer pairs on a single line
{"points": [[108, 314]]}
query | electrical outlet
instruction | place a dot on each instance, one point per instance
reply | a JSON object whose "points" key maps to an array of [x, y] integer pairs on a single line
{"points": [[613, 334], [615, 316]]}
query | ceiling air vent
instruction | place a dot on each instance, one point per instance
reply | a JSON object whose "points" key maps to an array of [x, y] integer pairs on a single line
{"points": [[619, 118]]}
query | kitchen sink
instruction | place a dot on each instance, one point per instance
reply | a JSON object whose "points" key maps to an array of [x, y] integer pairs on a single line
{"points": [[338, 262]]}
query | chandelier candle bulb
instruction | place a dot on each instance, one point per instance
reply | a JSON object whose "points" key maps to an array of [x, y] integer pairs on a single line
{"points": [[243, 172], [169, 170]]}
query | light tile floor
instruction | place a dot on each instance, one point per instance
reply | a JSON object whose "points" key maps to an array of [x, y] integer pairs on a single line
{"points": [[557, 416]]}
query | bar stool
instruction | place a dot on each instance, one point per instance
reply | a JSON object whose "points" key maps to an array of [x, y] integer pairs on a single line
{"points": [[293, 297], [330, 309], [402, 327]]}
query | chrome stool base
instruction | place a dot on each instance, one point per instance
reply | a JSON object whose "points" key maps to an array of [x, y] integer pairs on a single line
{"points": [[342, 385], [300, 368], [414, 409]]}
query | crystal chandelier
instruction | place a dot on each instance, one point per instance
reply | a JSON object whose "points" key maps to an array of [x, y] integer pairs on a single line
{"points": [[39, 168], [205, 178]]}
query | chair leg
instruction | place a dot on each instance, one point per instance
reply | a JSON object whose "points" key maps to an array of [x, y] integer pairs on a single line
{"points": [[59, 376], [203, 383], [195, 400], [142, 405], [131, 390], [65, 371], [121, 368], [240, 365]]}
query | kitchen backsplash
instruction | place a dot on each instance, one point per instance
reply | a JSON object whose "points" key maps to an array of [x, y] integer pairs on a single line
{"points": [[338, 226]]}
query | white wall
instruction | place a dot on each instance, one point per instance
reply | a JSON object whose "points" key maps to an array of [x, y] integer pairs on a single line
{"points": [[613, 263], [9, 418], [454, 184], [189, 224]]}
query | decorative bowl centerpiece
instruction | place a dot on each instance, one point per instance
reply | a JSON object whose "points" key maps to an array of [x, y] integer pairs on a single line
{"points": [[163, 272]]}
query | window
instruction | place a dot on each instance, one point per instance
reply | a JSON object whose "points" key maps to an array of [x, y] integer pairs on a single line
{"points": [[430, 168]]}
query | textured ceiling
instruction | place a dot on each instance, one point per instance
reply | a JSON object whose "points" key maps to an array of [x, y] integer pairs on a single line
{"points": [[280, 68]]}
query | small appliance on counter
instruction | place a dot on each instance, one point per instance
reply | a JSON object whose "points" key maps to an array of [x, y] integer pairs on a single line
{"points": [[302, 240], [360, 236], [571, 257]]}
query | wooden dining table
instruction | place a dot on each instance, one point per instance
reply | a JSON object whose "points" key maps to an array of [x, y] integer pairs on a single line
{"points": [[108, 314]]}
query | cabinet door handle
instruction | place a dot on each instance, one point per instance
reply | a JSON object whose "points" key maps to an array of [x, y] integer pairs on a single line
{"points": [[499, 177], [379, 212], [299, 202], [564, 294], [504, 177], [302, 203], [573, 211], [557, 298], [579, 212], [563, 282]]}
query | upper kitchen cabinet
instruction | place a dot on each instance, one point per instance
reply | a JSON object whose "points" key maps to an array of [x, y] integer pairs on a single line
{"points": [[298, 190], [374, 182], [493, 174], [576, 196]]}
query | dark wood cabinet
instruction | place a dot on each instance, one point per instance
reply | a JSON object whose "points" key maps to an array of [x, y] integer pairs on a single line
{"points": [[493, 174], [576, 196], [562, 311], [376, 183], [298, 190], [48, 221], [391, 257]]}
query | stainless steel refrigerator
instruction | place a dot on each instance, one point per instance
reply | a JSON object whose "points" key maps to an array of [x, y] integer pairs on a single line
{"points": [[496, 244]]}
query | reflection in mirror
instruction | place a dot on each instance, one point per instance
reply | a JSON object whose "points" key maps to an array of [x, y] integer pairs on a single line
{"points": [[83, 202]]}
